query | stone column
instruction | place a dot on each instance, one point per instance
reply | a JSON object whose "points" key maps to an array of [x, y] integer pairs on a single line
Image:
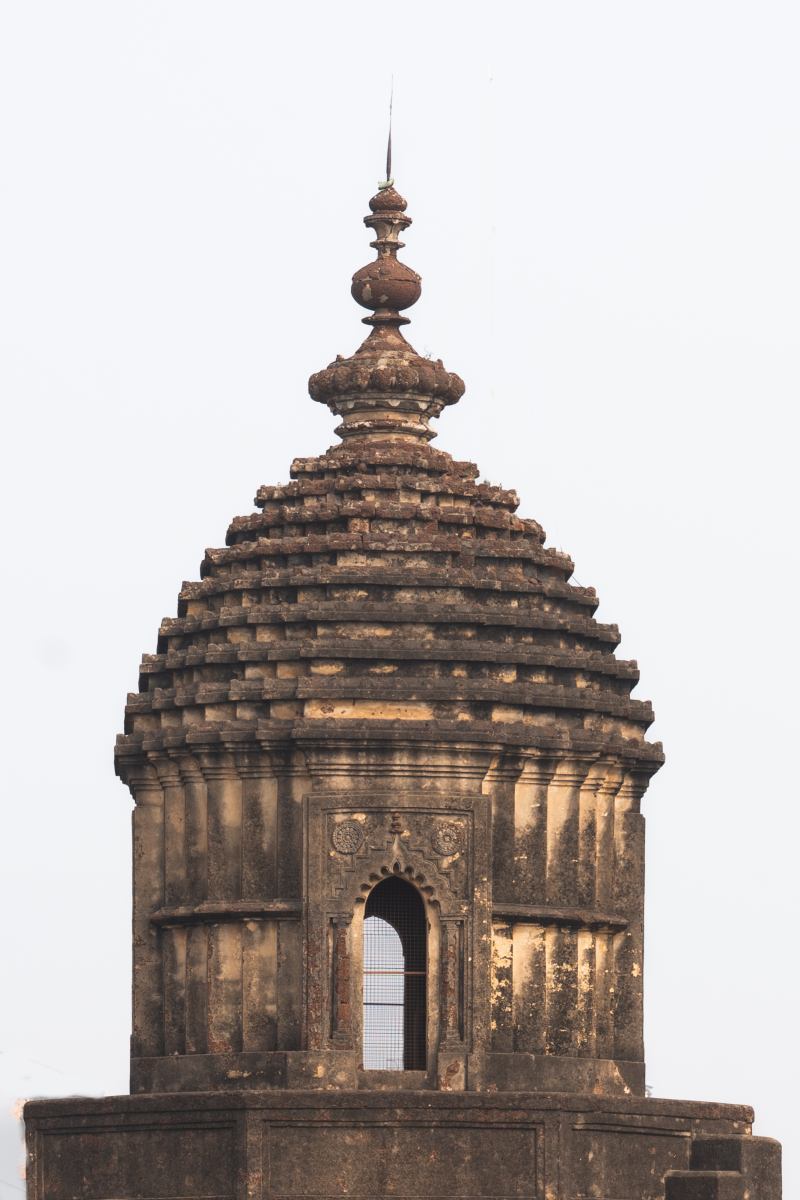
{"points": [[259, 829], [196, 821], [259, 985], [224, 828], [561, 940], [563, 813], [176, 887], [148, 896], [502, 986], [629, 900], [225, 987], [530, 983], [606, 798], [196, 949], [530, 826]]}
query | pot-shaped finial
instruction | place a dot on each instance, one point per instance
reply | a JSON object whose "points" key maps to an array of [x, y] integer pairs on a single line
{"points": [[386, 286]]}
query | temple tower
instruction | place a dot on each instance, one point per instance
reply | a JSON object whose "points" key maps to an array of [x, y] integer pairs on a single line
{"points": [[388, 848]]}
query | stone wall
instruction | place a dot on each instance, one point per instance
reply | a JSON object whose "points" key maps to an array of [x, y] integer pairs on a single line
{"points": [[251, 870], [410, 1146]]}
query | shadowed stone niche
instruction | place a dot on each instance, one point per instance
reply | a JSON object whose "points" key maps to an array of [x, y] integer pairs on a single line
{"points": [[386, 680]]}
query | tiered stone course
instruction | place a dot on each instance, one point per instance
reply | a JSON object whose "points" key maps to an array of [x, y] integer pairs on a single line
{"points": [[385, 586]]}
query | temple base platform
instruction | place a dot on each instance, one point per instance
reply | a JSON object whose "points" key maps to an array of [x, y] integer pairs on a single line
{"points": [[250, 1145]]}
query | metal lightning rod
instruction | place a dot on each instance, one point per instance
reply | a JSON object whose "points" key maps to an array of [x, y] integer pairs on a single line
{"points": [[389, 141]]}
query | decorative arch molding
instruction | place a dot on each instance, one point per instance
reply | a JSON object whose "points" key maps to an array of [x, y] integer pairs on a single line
{"points": [[434, 850], [439, 843], [411, 867]]}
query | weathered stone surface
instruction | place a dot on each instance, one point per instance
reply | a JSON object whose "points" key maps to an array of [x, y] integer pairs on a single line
{"points": [[404, 1144], [385, 673]]}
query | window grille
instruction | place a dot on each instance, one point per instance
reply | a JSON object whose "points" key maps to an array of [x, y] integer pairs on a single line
{"points": [[395, 978]]}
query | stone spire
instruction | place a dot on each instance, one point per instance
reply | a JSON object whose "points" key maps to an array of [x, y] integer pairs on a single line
{"points": [[386, 390]]}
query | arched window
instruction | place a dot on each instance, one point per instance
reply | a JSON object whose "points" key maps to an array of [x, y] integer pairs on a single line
{"points": [[394, 985]]}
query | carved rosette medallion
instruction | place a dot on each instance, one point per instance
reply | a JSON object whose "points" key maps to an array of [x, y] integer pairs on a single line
{"points": [[446, 838], [347, 836], [430, 847]]}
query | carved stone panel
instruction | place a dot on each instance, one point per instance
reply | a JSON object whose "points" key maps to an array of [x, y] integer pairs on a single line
{"points": [[440, 844], [452, 981], [435, 852], [456, 1160]]}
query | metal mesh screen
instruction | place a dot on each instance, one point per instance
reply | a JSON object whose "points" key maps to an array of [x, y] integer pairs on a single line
{"points": [[394, 985]]}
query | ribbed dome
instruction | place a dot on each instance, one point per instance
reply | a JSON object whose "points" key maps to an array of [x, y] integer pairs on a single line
{"points": [[385, 593]]}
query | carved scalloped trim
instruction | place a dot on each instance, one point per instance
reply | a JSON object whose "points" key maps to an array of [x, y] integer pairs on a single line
{"points": [[386, 373], [430, 883]]}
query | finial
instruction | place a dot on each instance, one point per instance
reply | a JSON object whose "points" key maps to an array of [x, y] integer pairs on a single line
{"points": [[386, 286], [386, 390]]}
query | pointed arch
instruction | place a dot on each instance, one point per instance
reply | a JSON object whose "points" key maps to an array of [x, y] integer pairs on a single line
{"points": [[394, 982]]}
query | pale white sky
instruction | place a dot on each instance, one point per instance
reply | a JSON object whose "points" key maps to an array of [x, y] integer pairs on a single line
{"points": [[606, 200]]}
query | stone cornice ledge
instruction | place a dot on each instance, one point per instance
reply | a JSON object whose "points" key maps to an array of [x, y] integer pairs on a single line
{"points": [[228, 910], [536, 914]]}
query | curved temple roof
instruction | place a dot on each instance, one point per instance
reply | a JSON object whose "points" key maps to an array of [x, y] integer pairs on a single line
{"points": [[384, 592]]}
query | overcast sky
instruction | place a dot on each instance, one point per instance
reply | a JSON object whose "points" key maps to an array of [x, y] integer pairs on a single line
{"points": [[605, 199]]}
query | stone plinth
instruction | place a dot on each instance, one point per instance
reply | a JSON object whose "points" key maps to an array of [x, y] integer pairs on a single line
{"points": [[395, 1143]]}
